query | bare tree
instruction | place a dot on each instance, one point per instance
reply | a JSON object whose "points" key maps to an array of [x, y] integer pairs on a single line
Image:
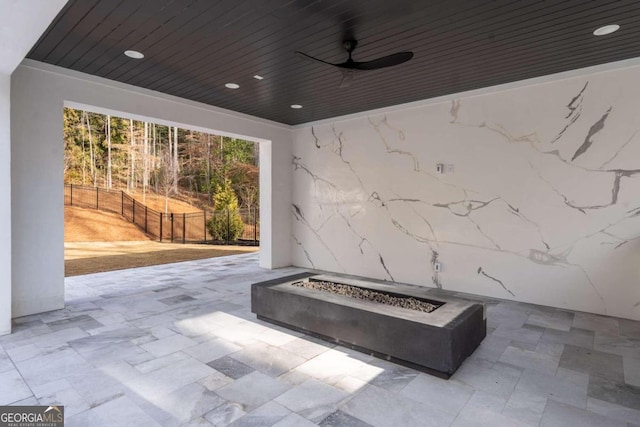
{"points": [[132, 157], [108, 130], [174, 163], [92, 155], [165, 177]]}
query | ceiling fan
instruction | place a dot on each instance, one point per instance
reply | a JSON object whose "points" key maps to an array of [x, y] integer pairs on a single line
{"points": [[350, 66]]}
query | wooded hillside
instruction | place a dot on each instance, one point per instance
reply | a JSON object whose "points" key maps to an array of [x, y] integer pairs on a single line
{"points": [[142, 157]]}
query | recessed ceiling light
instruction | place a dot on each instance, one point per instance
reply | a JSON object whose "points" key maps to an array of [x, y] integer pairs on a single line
{"points": [[296, 106], [232, 85], [607, 29], [134, 54], [257, 77]]}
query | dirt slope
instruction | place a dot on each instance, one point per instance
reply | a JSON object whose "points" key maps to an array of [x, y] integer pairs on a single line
{"points": [[91, 225], [157, 202]]}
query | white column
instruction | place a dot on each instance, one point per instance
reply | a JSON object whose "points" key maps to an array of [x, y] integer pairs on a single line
{"points": [[5, 205]]}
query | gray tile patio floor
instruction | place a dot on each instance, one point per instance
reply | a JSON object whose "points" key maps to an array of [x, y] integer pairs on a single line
{"points": [[176, 345]]}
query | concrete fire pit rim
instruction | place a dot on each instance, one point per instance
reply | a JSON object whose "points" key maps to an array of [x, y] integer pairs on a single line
{"points": [[446, 316]]}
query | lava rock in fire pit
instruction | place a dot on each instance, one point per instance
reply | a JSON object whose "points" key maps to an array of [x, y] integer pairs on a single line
{"points": [[368, 295]]}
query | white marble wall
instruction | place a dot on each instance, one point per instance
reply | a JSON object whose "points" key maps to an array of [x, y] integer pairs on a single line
{"points": [[542, 206]]}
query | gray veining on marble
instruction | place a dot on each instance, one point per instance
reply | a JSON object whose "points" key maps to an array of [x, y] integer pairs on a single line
{"points": [[538, 206]]}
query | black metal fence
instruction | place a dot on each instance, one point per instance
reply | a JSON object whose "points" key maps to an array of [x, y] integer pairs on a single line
{"points": [[169, 227]]}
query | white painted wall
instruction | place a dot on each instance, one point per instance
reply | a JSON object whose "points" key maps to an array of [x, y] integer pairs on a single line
{"points": [[528, 212], [23, 21], [38, 94], [5, 206]]}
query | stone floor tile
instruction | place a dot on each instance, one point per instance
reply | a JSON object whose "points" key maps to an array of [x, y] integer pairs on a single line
{"points": [[491, 348], [594, 322], [576, 337], [610, 410], [268, 359], [550, 386], [527, 334], [312, 399], [83, 322], [189, 402], [252, 390], [306, 347], [498, 379], [471, 417], [578, 378], [617, 344], [333, 365], [558, 414], [505, 313], [6, 364], [168, 345], [52, 367], [197, 422], [593, 362], [550, 348], [294, 378], [631, 371], [120, 412], [96, 387], [68, 397], [231, 367], [266, 415], [382, 408], [341, 419], [557, 319], [160, 362], [614, 392], [351, 385], [294, 420], [276, 337], [526, 359], [526, 407], [12, 387], [178, 299], [393, 377], [215, 381], [207, 302], [484, 400], [446, 395], [629, 328], [211, 350]]}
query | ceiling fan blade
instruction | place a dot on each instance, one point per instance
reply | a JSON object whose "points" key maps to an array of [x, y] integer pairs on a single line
{"points": [[385, 61], [305, 56], [347, 78]]}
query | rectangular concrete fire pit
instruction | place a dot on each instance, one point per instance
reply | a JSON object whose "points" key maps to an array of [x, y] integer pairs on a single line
{"points": [[436, 342]]}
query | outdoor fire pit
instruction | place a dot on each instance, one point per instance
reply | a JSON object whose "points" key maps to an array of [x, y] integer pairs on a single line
{"points": [[406, 324]]}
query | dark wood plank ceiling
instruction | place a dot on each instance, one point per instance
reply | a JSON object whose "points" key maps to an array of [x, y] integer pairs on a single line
{"points": [[193, 47]]}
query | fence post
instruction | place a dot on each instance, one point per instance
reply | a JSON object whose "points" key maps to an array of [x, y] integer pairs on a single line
{"points": [[133, 212], [121, 202], [255, 225], [228, 226], [171, 226], [184, 228], [161, 226], [204, 223], [97, 197], [145, 218], [71, 197]]}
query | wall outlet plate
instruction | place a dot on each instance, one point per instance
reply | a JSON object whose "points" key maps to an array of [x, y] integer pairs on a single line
{"points": [[440, 168], [437, 267]]}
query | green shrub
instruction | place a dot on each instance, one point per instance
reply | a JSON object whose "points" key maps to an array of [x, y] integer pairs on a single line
{"points": [[226, 222]]}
